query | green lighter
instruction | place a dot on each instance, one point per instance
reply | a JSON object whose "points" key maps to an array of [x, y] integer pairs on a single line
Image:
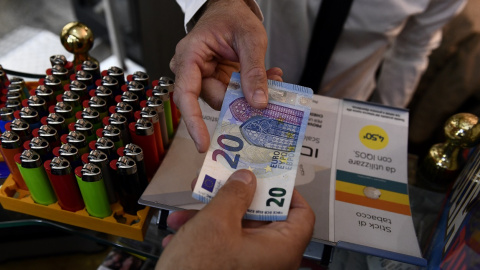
{"points": [[31, 167], [90, 180]]}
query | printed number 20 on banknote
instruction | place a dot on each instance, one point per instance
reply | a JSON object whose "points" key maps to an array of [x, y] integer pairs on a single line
{"points": [[267, 142]]}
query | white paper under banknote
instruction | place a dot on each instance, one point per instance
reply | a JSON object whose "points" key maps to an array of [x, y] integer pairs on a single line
{"points": [[267, 142]]}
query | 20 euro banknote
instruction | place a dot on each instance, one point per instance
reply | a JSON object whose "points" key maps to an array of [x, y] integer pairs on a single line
{"points": [[266, 142]]}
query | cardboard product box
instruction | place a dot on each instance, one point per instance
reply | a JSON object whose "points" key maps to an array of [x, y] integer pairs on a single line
{"points": [[352, 171]]}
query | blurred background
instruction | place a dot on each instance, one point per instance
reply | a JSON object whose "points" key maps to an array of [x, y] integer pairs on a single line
{"points": [[146, 31]]}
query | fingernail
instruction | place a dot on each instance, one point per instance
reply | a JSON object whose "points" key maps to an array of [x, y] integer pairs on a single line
{"points": [[259, 97], [242, 176]]}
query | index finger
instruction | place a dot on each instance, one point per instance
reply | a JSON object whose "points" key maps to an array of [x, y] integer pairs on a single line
{"points": [[188, 80], [301, 216]]}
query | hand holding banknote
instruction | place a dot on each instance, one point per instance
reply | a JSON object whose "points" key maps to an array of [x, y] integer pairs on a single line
{"points": [[218, 45], [214, 237], [267, 142]]}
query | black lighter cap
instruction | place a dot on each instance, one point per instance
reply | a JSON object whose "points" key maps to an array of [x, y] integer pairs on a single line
{"points": [[58, 59], [91, 173], [6, 114], [134, 151], [143, 127], [10, 140], [30, 159], [60, 166], [126, 165]]}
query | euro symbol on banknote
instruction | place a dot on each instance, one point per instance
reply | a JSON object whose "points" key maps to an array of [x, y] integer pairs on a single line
{"points": [[266, 142]]}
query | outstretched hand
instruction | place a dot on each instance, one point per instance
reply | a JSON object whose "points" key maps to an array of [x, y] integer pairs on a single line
{"points": [[217, 238], [228, 37]]}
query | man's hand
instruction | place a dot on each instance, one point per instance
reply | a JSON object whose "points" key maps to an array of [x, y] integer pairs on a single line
{"points": [[228, 37], [216, 237]]}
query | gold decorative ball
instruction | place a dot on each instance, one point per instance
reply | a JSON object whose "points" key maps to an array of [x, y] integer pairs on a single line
{"points": [[76, 37], [463, 129]]}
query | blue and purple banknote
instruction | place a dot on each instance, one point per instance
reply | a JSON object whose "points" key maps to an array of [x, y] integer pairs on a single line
{"points": [[267, 142]]}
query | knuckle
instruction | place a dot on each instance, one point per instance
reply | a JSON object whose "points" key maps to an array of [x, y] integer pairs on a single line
{"points": [[257, 72], [176, 97], [172, 64]]}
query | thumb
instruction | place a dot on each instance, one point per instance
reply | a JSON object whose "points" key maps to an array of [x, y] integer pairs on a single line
{"points": [[233, 199], [251, 54]]}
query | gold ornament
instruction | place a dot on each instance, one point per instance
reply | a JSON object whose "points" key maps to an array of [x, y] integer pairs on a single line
{"points": [[442, 164], [77, 38]]}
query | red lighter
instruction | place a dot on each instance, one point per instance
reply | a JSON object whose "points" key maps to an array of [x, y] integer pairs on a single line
{"points": [[143, 135], [64, 184]]}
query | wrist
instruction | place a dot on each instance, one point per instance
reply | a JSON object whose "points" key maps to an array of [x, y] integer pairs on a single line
{"points": [[251, 4]]}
